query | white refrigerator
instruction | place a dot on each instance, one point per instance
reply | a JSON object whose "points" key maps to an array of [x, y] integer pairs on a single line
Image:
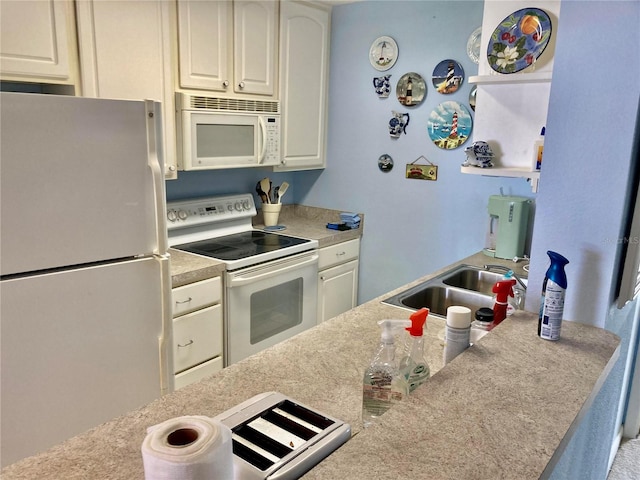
{"points": [[85, 292]]}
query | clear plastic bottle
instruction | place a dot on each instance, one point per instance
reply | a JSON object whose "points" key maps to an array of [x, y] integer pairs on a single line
{"points": [[383, 385], [413, 364]]}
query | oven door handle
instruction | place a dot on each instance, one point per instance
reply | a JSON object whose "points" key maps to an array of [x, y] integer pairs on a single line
{"points": [[239, 280]]}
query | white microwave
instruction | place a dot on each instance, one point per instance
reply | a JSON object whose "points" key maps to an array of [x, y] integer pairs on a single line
{"points": [[215, 132]]}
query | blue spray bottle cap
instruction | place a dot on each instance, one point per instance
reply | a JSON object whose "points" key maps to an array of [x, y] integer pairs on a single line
{"points": [[556, 271]]}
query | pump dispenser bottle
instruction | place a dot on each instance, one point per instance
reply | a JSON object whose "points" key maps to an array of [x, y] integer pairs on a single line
{"points": [[383, 384], [413, 364], [552, 302]]}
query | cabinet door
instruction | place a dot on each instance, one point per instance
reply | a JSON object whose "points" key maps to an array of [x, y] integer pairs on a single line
{"points": [[304, 74], [37, 41], [204, 41], [254, 46], [337, 290], [125, 52]]}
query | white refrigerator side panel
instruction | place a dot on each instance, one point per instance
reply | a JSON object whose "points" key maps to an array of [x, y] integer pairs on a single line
{"points": [[76, 184], [79, 347]]}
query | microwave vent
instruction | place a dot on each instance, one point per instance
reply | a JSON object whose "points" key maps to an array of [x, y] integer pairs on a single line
{"points": [[234, 104]]}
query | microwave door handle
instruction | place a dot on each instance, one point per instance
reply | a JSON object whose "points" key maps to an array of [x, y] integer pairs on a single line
{"points": [[263, 139]]}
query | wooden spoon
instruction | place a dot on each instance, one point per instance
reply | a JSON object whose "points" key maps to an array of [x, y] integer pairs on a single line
{"points": [[265, 185]]}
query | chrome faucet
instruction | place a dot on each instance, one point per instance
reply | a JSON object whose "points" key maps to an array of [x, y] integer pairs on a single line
{"points": [[506, 269]]}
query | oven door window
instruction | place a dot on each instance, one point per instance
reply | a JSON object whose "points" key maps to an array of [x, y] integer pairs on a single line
{"points": [[276, 310]]}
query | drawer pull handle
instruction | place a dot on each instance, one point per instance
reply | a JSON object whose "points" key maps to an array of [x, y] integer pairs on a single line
{"points": [[186, 344], [340, 254], [178, 302]]}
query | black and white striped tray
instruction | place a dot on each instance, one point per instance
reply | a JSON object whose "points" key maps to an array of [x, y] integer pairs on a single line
{"points": [[275, 437]]}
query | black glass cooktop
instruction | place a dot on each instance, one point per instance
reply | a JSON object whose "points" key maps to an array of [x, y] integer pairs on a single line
{"points": [[241, 245]]}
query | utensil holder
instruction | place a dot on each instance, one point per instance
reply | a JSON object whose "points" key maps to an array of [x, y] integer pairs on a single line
{"points": [[270, 212]]}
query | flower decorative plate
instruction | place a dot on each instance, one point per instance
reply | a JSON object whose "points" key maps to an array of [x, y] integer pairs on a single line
{"points": [[519, 40], [449, 125], [473, 45], [383, 53]]}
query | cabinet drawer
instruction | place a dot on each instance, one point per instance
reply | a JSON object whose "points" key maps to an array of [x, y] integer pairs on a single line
{"points": [[196, 295], [339, 253], [199, 372], [197, 337]]}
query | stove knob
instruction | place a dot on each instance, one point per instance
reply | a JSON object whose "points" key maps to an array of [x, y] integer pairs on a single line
{"points": [[238, 206], [182, 215], [246, 205], [171, 216], [230, 207]]}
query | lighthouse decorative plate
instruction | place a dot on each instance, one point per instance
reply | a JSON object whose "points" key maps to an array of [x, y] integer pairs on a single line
{"points": [[447, 76], [519, 40], [449, 125], [383, 53]]}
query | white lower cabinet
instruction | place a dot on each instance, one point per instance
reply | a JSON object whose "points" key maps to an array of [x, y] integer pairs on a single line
{"points": [[197, 331], [338, 279]]}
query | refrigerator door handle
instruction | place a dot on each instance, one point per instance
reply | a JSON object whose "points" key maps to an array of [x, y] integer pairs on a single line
{"points": [[153, 118]]}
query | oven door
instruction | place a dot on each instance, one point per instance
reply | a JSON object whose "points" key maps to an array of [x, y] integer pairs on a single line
{"points": [[269, 303]]}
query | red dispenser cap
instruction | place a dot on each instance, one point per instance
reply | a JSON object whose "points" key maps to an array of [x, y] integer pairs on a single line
{"points": [[418, 320], [503, 289]]}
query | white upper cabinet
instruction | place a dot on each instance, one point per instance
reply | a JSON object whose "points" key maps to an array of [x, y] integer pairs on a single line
{"points": [[125, 52], [228, 47], [37, 41], [305, 32]]}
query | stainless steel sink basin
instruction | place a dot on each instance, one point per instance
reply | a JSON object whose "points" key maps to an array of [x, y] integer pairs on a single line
{"points": [[473, 279], [464, 285], [438, 299]]}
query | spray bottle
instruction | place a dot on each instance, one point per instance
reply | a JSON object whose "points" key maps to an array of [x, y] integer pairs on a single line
{"points": [[383, 384], [503, 290], [413, 364], [552, 302]]}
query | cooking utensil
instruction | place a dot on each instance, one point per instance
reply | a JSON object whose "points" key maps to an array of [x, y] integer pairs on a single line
{"points": [[282, 190], [261, 194], [276, 197], [265, 185]]}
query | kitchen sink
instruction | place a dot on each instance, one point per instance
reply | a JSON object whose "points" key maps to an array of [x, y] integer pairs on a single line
{"points": [[464, 285], [438, 299], [473, 279]]}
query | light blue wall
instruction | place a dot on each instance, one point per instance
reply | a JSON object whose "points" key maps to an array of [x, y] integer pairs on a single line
{"points": [[412, 227], [584, 195]]}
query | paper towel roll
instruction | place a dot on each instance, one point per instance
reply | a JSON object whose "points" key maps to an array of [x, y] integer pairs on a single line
{"points": [[188, 448]]}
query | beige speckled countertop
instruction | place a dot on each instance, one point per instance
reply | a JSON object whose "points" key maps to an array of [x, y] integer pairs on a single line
{"points": [[503, 409], [299, 220]]}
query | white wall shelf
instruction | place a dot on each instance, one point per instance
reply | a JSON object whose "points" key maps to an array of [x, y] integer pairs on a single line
{"points": [[513, 172], [502, 79]]}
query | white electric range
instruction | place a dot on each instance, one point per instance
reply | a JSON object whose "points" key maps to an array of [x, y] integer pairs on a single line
{"points": [[271, 279]]}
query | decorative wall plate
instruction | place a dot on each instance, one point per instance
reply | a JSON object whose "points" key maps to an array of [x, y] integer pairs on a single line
{"points": [[473, 45], [383, 53], [449, 125], [447, 76], [519, 40], [385, 162], [472, 97], [411, 89]]}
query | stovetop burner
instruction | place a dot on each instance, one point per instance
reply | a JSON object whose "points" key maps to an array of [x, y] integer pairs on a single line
{"points": [[241, 245]]}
